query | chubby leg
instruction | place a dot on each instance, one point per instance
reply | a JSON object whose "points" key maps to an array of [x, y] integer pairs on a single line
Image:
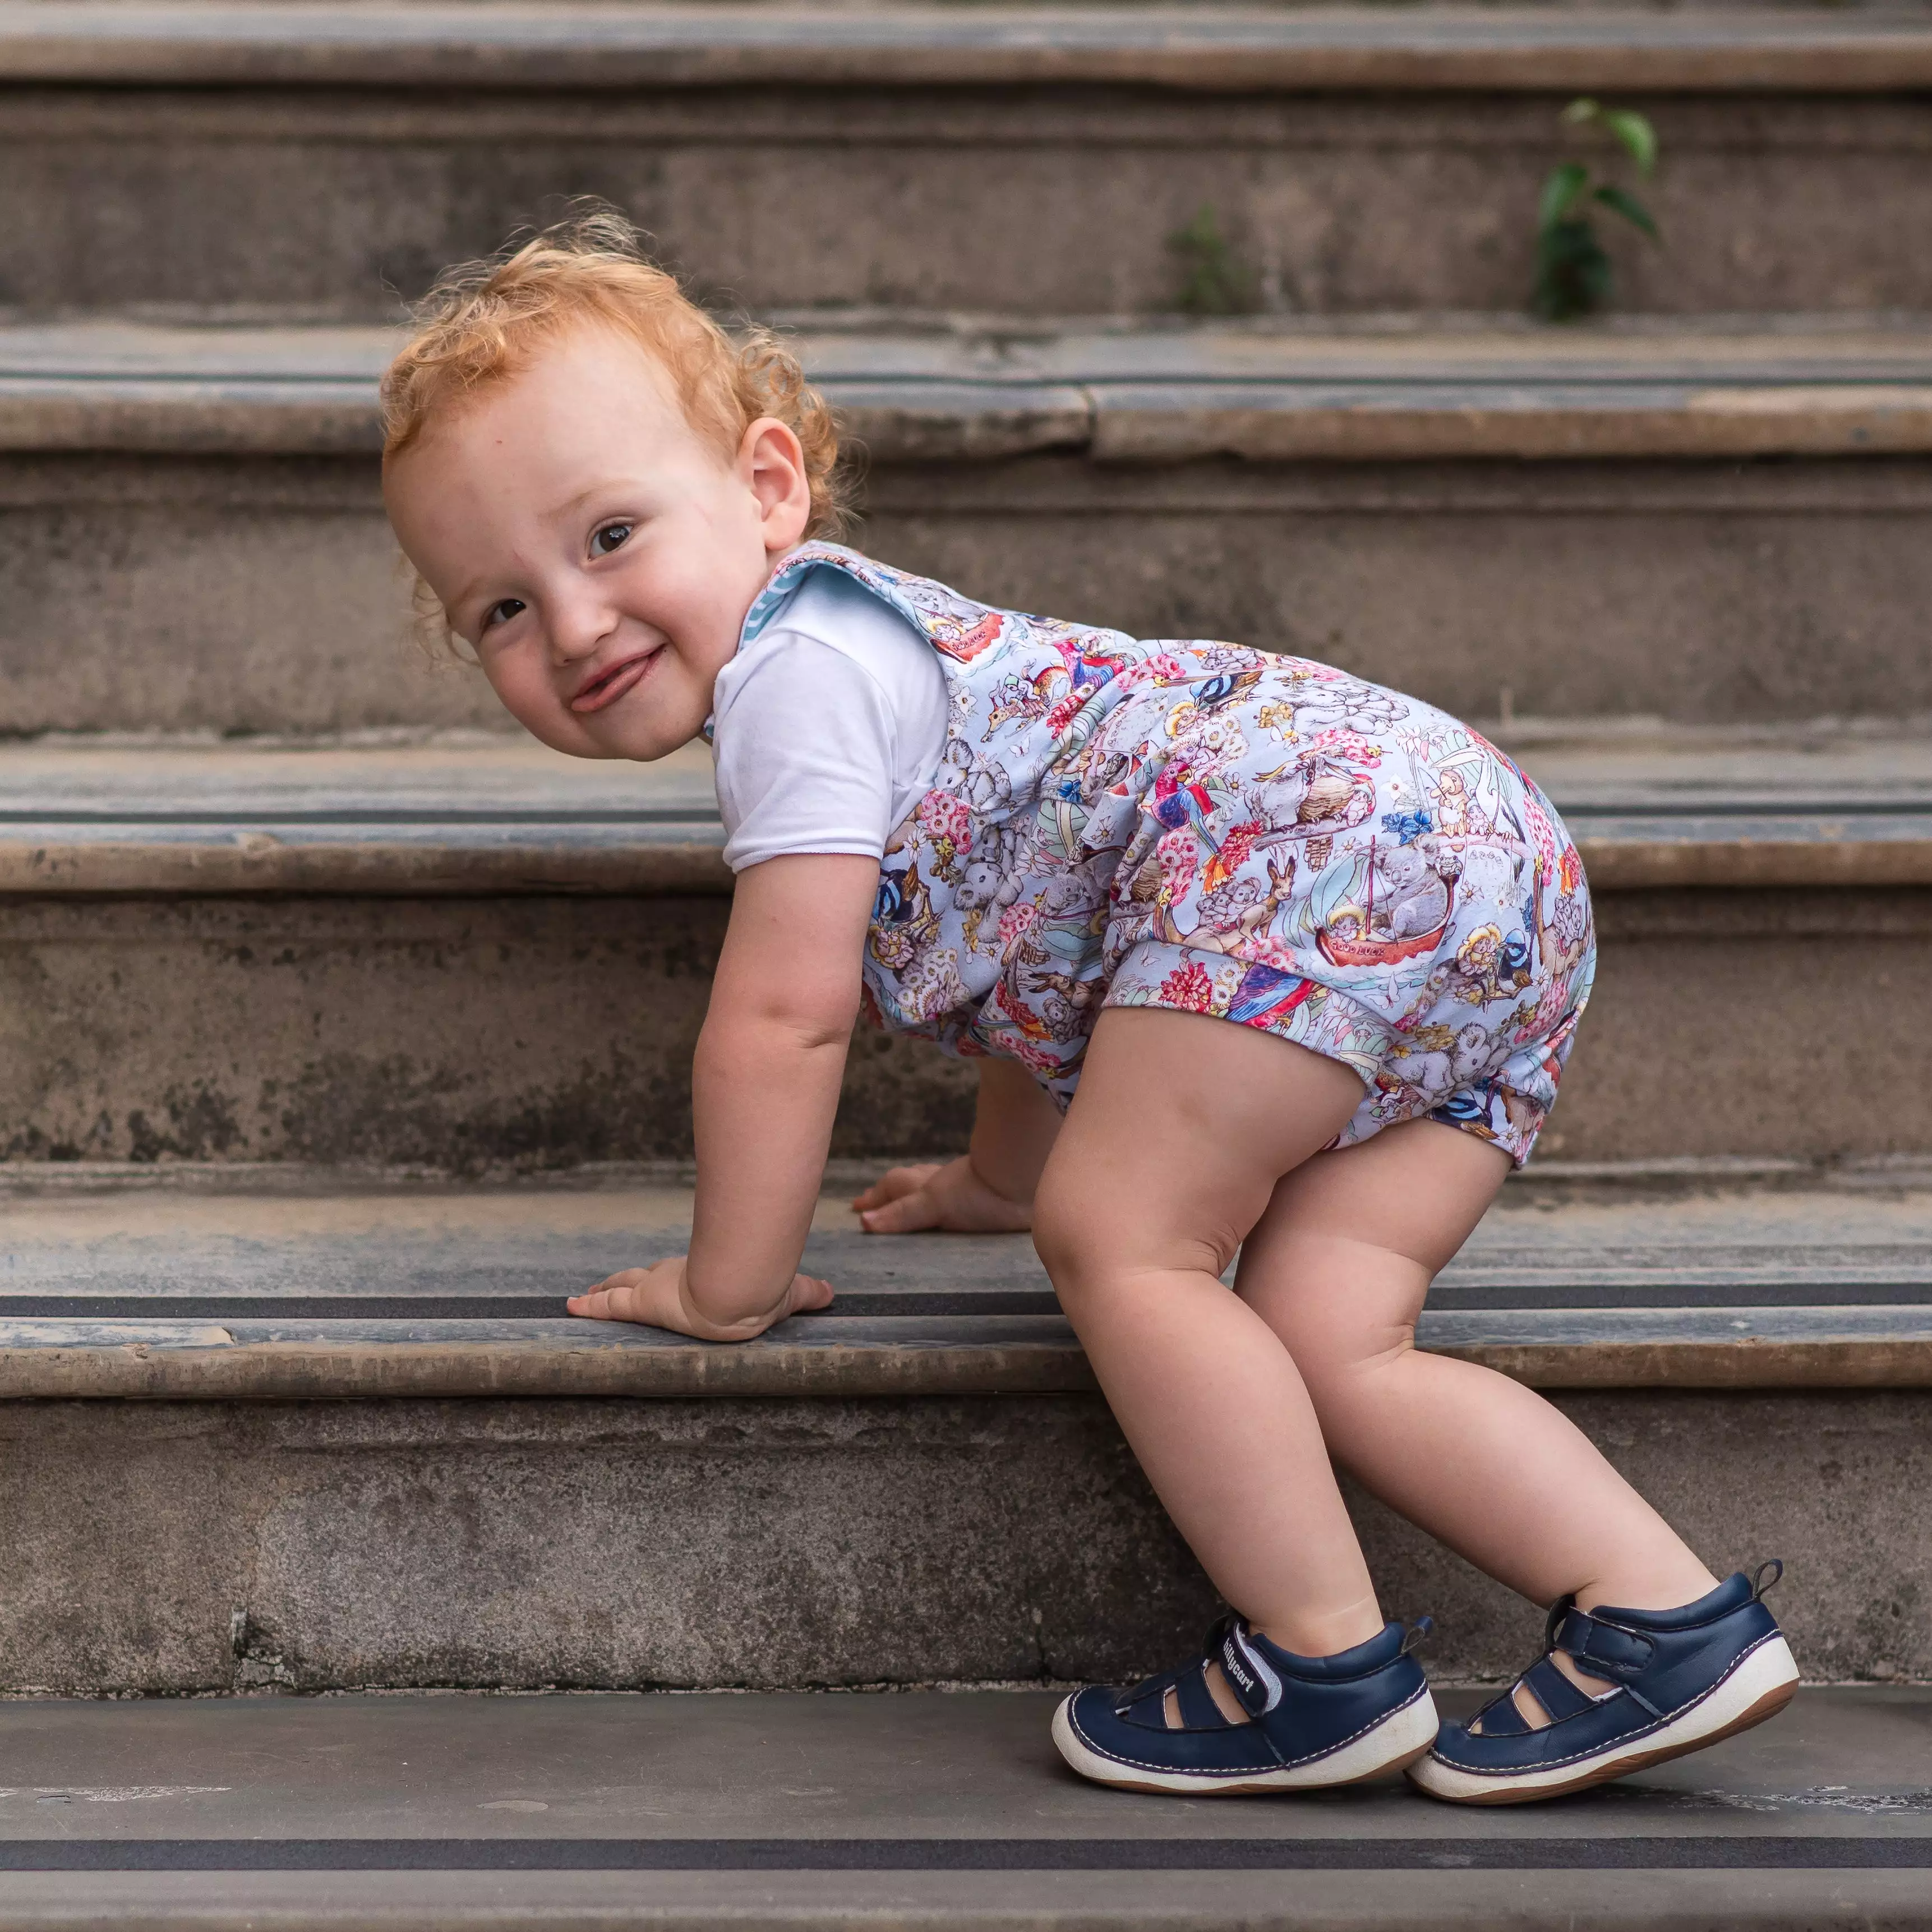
{"points": [[1182, 1128], [1338, 1268]]}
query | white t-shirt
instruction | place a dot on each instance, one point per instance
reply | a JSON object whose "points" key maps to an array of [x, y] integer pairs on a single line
{"points": [[827, 727]]}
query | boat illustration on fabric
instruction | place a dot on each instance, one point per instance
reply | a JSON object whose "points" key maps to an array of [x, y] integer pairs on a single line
{"points": [[1414, 895]]}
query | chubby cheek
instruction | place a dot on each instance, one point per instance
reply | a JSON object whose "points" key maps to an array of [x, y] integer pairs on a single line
{"points": [[525, 691], [691, 600]]}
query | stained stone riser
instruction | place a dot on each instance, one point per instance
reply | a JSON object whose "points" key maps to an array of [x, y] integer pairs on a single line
{"points": [[161, 1547], [173, 593], [327, 203], [460, 1034]]}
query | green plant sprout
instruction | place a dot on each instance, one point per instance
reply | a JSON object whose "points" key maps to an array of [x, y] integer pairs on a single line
{"points": [[1573, 274], [1213, 282]]}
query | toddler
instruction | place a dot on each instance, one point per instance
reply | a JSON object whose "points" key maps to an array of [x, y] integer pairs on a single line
{"points": [[1252, 957]]}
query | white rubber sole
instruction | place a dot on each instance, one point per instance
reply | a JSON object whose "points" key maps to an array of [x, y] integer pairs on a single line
{"points": [[1399, 1740], [1759, 1688]]}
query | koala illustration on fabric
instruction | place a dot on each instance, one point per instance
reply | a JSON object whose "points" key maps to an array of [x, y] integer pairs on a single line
{"points": [[983, 784], [1410, 895]]}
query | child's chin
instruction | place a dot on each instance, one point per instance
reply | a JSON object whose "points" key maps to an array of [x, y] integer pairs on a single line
{"points": [[642, 739]]}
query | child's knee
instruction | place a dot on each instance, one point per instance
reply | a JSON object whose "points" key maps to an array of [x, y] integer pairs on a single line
{"points": [[1088, 1232], [1070, 1232]]}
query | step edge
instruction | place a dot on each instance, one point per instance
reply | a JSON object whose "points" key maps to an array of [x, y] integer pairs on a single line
{"points": [[1111, 422], [1540, 50], [260, 866], [305, 1371]]}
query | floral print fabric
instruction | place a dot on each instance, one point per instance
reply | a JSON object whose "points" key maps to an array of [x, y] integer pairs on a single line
{"points": [[1219, 830]]}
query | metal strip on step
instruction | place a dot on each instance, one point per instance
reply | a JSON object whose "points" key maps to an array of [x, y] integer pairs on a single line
{"points": [[1754, 1853], [863, 1304], [471, 1307]]}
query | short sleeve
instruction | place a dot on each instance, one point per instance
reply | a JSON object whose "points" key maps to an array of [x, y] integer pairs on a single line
{"points": [[804, 739]]}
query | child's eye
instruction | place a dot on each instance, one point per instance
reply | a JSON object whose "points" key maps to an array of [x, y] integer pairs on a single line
{"points": [[501, 612], [612, 536]]}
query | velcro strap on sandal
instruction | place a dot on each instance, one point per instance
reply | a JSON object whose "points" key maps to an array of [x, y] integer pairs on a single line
{"points": [[1603, 1649], [1197, 1709], [1500, 1717], [1145, 1702], [1559, 1697], [1249, 1674]]}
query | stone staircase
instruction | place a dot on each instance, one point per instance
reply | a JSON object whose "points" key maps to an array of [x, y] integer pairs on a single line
{"points": [[342, 1034]]}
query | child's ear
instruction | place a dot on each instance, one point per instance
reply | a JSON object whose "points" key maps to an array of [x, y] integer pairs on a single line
{"points": [[771, 461]]}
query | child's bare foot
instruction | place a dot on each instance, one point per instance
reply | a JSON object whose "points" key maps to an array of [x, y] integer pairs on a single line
{"points": [[952, 1197]]}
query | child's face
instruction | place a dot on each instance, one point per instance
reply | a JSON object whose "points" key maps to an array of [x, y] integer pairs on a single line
{"points": [[598, 553]]}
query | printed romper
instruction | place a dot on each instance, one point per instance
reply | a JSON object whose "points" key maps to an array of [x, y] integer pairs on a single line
{"points": [[1219, 830]]}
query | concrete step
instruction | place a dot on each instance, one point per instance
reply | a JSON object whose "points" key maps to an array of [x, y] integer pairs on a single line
{"points": [[1716, 523], [951, 1812], [334, 1295], [310, 161], [216, 952], [367, 1451], [465, 812]]}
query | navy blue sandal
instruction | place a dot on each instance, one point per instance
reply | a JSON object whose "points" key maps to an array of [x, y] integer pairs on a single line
{"points": [[1316, 1721], [1681, 1679]]}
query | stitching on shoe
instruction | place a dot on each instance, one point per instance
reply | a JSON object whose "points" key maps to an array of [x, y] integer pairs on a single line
{"points": [[1281, 1764], [1622, 1737]]}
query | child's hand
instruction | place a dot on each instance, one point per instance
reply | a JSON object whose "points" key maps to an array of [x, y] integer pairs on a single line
{"points": [[952, 1197], [660, 1297]]}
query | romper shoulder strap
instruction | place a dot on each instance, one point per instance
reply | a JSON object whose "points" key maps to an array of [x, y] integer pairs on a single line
{"points": [[956, 627]]}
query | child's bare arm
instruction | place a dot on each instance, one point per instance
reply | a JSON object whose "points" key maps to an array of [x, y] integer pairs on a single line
{"points": [[765, 1086], [990, 1189]]}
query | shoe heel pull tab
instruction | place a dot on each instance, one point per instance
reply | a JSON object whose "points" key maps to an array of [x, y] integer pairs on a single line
{"points": [[1417, 1635], [1553, 1623], [1760, 1586]]}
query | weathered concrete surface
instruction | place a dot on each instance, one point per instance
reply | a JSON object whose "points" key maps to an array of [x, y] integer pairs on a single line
{"points": [[623, 1544], [930, 1772], [267, 595], [1699, 49], [1191, 1901], [948, 1811], [265, 1354], [1271, 388], [326, 203], [583, 1544], [1769, 1235], [463, 1033], [473, 815], [1718, 592], [1703, 1035], [460, 1032], [206, 593], [161, 1286]]}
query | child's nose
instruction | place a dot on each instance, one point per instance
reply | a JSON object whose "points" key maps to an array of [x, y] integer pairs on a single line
{"points": [[577, 628]]}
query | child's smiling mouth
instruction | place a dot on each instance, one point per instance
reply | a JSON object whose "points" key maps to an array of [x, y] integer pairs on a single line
{"points": [[607, 686]]}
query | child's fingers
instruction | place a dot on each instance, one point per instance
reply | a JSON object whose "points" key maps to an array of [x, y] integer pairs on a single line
{"points": [[894, 1183], [595, 1305], [909, 1214], [808, 1291], [615, 1300]]}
